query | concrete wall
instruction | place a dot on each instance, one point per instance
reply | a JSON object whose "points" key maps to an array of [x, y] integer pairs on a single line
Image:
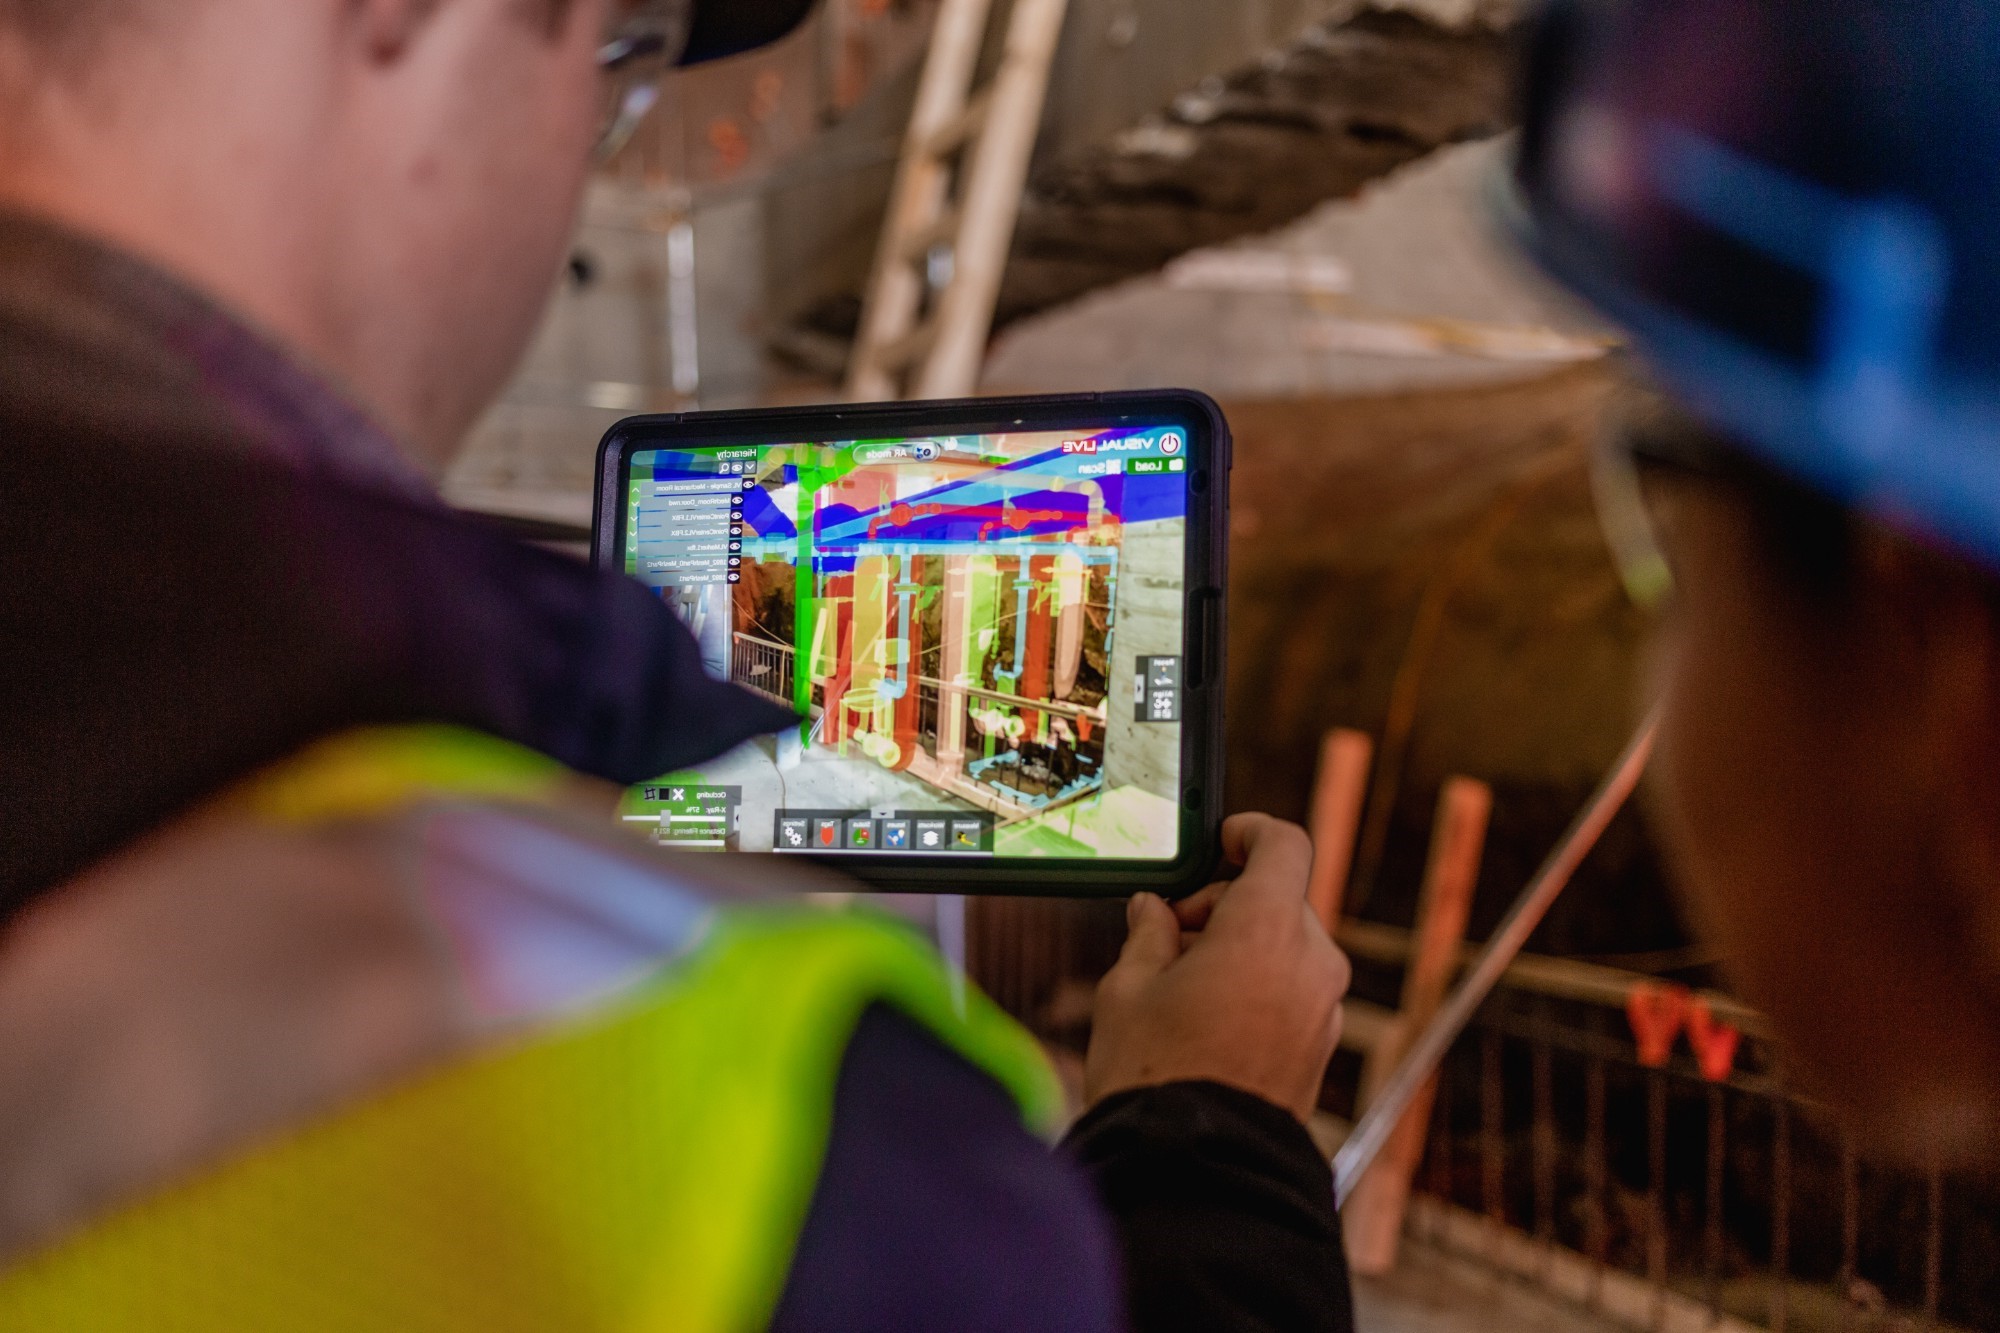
{"points": [[603, 351], [1148, 607], [1427, 266]]}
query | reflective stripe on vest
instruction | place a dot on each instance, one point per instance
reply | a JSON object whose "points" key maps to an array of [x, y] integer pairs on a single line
{"points": [[648, 1167]]}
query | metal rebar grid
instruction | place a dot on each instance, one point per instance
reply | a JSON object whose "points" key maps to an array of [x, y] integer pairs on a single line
{"points": [[1723, 1199]]}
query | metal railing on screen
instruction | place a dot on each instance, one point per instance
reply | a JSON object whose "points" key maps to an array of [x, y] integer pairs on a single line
{"points": [[767, 666], [763, 665]]}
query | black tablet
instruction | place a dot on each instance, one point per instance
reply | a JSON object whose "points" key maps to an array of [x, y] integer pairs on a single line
{"points": [[1000, 621]]}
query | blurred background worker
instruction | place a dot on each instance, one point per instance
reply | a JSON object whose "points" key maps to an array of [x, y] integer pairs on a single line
{"points": [[1795, 210], [325, 1001]]}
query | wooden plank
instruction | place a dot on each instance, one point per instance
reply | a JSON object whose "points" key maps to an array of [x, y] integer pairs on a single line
{"points": [[1558, 978], [918, 244], [1338, 791], [909, 349], [990, 200], [959, 131], [923, 184], [1367, 1027], [1373, 1218]]}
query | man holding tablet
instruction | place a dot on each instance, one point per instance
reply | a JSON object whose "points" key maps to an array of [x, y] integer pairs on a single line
{"points": [[328, 999]]}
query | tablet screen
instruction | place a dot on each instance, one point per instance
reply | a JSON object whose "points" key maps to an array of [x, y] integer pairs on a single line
{"points": [[985, 633]]}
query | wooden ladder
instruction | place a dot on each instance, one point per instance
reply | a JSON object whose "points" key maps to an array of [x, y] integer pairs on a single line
{"points": [[954, 205]]}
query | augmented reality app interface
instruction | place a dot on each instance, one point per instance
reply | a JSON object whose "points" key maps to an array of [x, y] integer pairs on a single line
{"points": [[984, 634]]}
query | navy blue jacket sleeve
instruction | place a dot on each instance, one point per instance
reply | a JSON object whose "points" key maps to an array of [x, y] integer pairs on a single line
{"points": [[936, 1210], [1191, 1206]]}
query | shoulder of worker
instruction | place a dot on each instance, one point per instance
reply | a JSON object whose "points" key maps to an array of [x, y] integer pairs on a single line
{"points": [[230, 974], [301, 946]]}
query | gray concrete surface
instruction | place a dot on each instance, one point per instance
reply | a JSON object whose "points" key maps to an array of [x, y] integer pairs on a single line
{"points": [[1147, 623], [1435, 298], [1432, 1291], [607, 347]]}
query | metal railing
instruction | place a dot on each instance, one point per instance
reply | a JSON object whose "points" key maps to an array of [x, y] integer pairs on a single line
{"points": [[768, 667], [1738, 1194], [1049, 780], [763, 665]]}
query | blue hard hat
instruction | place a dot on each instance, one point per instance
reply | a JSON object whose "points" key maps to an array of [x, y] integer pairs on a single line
{"points": [[1794, 208]]}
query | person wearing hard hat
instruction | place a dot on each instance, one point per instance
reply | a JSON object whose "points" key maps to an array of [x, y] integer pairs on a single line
{"points": [[327, 1000], [1795, 211]]}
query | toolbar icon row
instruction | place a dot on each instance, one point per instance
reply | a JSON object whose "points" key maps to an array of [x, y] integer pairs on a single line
{"points": [[870, 833]]}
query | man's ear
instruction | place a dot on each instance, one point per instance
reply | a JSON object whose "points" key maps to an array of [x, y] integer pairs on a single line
{"points": [[387, 27]]}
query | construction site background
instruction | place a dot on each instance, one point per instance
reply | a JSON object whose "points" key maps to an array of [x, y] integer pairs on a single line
{"points": [[1282, 204]]}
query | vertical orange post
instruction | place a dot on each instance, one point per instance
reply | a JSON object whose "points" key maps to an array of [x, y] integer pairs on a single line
{"points": [[1338, 791], [908, 593], [839, 594], [1033, 674], [1373, 1218], [952, 669]]}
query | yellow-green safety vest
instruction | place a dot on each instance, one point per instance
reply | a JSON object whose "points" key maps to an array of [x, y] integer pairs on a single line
{"points": [[645, 1168]]}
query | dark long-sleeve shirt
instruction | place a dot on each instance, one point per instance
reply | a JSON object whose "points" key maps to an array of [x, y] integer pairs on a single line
{"points": [[1224, 1211]]}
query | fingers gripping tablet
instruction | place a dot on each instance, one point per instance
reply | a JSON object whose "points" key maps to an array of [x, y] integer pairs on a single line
{"points": [[1000, 621]]}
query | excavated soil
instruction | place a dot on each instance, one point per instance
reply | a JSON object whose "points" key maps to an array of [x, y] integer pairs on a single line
{"points": [[1347, 514]]}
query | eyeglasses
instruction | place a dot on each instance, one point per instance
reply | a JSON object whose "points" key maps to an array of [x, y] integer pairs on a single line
{"points": [[1627, 519], [1631, 480], [642, 41]]}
